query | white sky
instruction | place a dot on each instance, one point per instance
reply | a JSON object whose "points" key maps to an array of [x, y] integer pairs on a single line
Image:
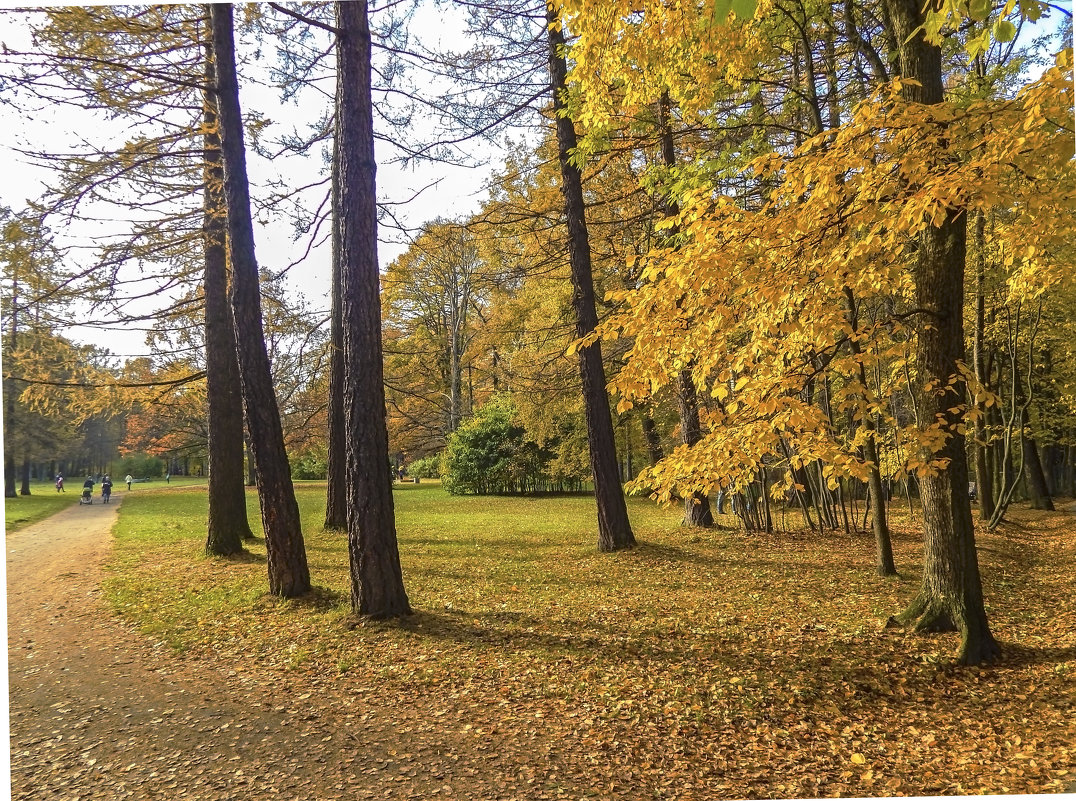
{"points": [[459, 191]]}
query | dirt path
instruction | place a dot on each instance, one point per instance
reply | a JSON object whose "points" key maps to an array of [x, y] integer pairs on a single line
{"points": [[97, 712]]}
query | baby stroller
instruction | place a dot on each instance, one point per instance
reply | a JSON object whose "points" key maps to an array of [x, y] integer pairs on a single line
{"points": [[87, 494]]}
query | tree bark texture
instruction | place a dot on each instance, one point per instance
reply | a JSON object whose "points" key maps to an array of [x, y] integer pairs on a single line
{"points": [[614, 528], [377, 588], [289, 575], [336, 487], [227, 524], [951, 596]]}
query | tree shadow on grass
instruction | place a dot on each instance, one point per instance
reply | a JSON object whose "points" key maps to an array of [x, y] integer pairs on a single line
{"points": [[243, 557], [545, 637], [674, 553], [323, 599]]}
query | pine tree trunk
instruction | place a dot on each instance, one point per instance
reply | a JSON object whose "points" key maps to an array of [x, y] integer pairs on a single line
{"points": [[614, 529], [336, 487], [227, 524], [289, 575], [951, 596], [377, 588]]}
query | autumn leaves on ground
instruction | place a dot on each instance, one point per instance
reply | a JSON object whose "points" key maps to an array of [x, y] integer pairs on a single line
{"points": [[704, 663]]}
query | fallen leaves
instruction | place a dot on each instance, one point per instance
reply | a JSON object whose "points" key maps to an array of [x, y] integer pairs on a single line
{"points": [[762, 669]]}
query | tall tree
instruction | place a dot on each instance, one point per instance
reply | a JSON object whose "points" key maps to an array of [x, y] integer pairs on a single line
{"points": [[289, 574], [696, 505], [377, 588], [34, 297], [433, 297], [336, 486], [227, 524], [614, 528], [951, 595], [152, 68]]}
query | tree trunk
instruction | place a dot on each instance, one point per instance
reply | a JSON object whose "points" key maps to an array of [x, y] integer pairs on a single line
{"points": [[984, 478], [24, 489], [1036, 480], [377, 588], [336, 487], [227, 524], [10, 394], [697, 510], [951, 596], [883, 545], [289, 574], [614, 529], [9, 477], [653, 441]]}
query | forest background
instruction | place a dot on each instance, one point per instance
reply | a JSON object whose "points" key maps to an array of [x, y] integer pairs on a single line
{"points": [[751, 238]]}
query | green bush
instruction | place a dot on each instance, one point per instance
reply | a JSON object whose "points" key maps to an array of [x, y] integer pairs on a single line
{"points": [[311, 465], [426, 467], [141, 465], [491, 454]]}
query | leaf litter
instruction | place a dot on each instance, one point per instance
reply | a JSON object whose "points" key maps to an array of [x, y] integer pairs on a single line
{"points": [[703, 664]]}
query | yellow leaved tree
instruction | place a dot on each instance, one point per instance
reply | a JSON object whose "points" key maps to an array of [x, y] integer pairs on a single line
{"points": [[869, 217]]}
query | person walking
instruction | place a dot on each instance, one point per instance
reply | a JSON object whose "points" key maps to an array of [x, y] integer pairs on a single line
{"points": [[60, 483], [106, 488], [128, 479]]}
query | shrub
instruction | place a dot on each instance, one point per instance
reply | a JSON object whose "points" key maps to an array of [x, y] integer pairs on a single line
{"points": [[141, 465], [311, 465], [491, 454], [426, 467]]}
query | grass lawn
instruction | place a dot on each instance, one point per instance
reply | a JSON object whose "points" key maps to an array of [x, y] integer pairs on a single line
{"points": [[702, 664], [159, 483], [43, 501]]}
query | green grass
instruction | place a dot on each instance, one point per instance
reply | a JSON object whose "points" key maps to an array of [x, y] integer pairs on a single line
{"points": [[742, 649], [160, 483], [43, 501]]}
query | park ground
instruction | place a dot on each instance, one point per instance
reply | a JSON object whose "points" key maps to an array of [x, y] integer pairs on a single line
{"points": [[703, 664]]}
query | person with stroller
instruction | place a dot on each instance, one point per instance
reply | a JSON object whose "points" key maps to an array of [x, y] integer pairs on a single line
{"points": [[87, 490], [106, 489]]}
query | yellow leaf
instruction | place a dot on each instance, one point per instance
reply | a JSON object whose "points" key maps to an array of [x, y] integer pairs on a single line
{"points": [[858, 759]]}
